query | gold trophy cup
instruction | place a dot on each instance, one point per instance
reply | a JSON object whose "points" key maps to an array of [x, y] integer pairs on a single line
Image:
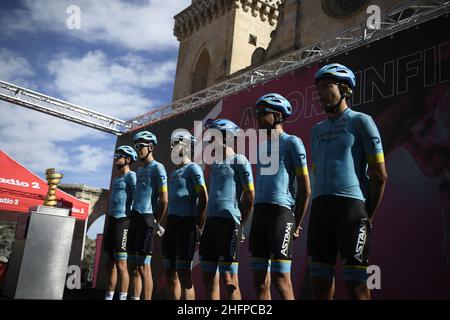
{"points": [[53, 179]]}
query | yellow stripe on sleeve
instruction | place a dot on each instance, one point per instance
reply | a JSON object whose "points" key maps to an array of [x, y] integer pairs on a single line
{"points": [[303, 171], [199, 187], [376, 158]]}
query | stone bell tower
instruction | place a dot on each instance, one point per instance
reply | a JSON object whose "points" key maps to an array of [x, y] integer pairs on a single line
{"points": [[220, 37]]}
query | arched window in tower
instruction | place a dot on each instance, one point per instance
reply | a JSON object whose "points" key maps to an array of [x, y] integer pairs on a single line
{"points": [[342, 8], [201, 72]]}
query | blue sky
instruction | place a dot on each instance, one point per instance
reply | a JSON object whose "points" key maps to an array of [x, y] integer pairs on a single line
{"points": [[121, 62]]}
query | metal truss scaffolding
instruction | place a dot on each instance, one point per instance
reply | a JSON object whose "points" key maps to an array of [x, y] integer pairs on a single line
{"points": [[404, 17], [61, 109]]}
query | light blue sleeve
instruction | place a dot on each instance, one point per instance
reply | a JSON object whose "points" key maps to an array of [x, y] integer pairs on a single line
{"points": [[130, 190], [297, 154], [197, 177], [161, 177], [244, 170], [371, 139]]}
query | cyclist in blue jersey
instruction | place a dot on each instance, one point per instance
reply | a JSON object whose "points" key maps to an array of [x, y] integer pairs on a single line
{"points": [[279, 210], [149, 209], [349, 182], [187, 206], [115, 242], [230, 200]]}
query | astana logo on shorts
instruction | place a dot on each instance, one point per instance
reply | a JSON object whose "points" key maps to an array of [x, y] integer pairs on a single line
{"points": [[287, 237], [234, 241], [124, 240], [359, 250]]}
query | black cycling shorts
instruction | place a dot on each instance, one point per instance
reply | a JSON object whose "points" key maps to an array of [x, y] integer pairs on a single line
{"points": [[140, 238], [271, 237], [338, 225], [219, 245], [116, 235], [179, 240]]}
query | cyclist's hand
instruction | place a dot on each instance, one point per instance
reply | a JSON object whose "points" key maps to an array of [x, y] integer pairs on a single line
{"points": [[157, 228], [199, 235], [160, 230], [297, 232]]}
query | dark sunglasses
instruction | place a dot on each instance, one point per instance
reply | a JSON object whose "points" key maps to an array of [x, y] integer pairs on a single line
{"points": [[261, 111], [327, 86], [139, 146], [117, 156], [174, 143]]}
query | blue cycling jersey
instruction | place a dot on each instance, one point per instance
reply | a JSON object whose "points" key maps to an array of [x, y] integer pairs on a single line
{"points": [[278, 188], [184, 184], [122, 193], [228, 179], [342, 148], [151, 179]]}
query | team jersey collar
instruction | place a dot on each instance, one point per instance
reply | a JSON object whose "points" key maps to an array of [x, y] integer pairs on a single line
{"points": [[150, 163], [279, 136], [347, 110], [184, 166], [226, 160], [124, 175]]}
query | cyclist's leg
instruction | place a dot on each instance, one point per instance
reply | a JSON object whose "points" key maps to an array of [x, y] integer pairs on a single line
{"points": [[209, 259], [227, 246], [280, 245], [354, 237], [322, 247], [168, 254], [185, 248], [120, 254], [259, 252], [111, 272], [136, 283], [144, 253]]}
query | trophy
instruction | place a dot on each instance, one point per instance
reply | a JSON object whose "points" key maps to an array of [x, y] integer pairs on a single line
{"points": [[53, 179]]}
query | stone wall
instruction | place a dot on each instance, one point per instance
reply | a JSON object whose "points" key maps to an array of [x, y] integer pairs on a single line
{"points": [[218, 38]]}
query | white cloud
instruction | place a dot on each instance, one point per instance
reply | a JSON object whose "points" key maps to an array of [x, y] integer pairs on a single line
{"points": [[140, 25], [14, 68], [41, 141], [117, 88], [90, 158]]}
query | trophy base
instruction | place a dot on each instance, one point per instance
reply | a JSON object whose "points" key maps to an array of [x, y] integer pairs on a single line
{"points": [[50, 211], [40, 257]]}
